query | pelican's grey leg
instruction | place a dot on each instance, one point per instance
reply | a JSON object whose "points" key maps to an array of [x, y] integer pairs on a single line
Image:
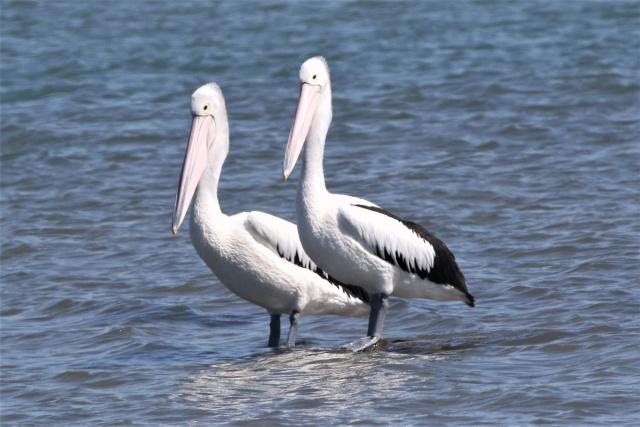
{"points": [[293, 328], [379, 307], [274, 333]]}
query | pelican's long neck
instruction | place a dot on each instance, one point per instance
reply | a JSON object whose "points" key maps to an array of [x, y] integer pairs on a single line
{"points": [[312, 181], [206, 203]]}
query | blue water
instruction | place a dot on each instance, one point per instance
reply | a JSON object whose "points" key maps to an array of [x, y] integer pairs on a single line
{"points": [[509, 129]]}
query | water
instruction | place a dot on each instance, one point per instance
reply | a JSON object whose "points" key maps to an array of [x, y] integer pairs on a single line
{"points": [[511, 130]]}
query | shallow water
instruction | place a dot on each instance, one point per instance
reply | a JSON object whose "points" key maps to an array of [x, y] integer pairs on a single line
{"points": [[509, 129]]}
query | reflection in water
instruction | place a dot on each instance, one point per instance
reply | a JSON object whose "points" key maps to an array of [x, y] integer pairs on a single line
{"points": [[307, 379]]}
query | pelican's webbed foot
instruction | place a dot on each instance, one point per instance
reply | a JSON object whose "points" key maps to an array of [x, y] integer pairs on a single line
{"points": [[379, 307], [362, 344]]}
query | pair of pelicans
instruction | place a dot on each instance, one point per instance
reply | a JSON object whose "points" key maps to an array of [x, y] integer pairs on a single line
{"points": [[345, 257]]}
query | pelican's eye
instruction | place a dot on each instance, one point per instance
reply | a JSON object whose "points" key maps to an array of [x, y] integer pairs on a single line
{"points": [[206, 107], [314, 77]]}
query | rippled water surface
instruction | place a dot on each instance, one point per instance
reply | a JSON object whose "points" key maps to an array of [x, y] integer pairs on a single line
{"points": [[509, 129]]}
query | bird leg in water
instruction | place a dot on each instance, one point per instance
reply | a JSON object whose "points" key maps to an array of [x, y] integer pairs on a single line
{"points": [[379, 307], [293, 329], [274, 334]]}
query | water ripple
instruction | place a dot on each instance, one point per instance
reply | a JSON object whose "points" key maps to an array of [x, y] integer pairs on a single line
{"points": [[508, 130]]}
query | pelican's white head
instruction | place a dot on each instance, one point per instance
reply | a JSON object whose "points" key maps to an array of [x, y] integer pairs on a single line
{"points": [[315, 87], [209, 134], [314, 71], [208, 100]]}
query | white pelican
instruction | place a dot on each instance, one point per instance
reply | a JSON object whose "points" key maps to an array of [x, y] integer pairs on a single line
{"points": [[352, 239], [255, 255]]}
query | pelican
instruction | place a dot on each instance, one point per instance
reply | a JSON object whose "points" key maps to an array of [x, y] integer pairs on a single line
{"points": [[352, 239], [257, 256]]}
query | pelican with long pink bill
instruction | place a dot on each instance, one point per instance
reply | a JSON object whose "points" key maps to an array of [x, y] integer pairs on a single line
{"points": [[255, 255], [352, 239]]}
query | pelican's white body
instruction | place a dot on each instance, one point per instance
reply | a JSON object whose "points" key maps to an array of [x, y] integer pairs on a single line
{"points": [[339, 236], [241, 250]]}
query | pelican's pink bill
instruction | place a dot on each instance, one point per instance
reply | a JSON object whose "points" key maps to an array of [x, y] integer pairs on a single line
{"points": [[307, 105], [195, 162]]}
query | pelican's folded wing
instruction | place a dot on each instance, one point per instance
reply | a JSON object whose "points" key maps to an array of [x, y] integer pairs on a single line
{"points": [[402, 243], [282, 238]]}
